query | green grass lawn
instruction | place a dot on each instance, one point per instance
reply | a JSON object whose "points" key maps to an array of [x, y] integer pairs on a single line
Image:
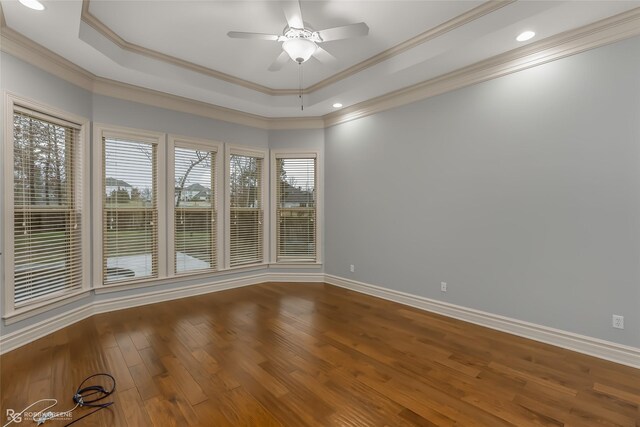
{"points": [[41, 247]]}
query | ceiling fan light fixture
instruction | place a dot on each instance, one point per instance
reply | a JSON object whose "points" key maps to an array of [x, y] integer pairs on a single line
{"points": [[300, 50]]}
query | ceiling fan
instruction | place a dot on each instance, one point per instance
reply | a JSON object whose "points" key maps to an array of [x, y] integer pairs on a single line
{"points": [[300, 42]]}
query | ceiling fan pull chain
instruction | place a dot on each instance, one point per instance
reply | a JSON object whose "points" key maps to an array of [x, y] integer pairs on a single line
{"points": [[300, 86]]}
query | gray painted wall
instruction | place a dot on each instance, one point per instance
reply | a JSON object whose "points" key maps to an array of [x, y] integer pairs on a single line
{"points": [[522, 193], [130, 114]]}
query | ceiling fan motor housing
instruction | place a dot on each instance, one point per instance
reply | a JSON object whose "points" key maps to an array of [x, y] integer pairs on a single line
{"points": [[300, 33]]}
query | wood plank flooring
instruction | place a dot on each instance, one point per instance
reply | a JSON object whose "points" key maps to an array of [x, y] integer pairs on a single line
{"points": [[287, 354]]}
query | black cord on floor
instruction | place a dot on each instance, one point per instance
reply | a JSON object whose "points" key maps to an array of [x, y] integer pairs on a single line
{"points": [[82, 393], [90, 413], [80, 398]]}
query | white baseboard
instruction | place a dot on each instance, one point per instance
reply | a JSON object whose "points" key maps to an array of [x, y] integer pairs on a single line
{"points": [[618, 353], [607, 350], [297, 277], [38, 330], [153, 297]]}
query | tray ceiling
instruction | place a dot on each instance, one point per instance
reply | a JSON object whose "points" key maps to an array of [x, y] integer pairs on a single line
{"points": [[181, 47]]}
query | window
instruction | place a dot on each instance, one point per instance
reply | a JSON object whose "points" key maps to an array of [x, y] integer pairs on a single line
{"points": [[47, 228], [246, 211], [295, 207], [130, 201], [195, 216]]}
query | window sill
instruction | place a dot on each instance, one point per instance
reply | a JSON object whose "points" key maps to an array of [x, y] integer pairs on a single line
{"points": [[177, 279], [42, 307]]}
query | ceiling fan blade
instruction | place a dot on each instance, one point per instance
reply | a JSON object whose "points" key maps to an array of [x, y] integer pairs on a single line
{"points": [[279, 62], [325, 57], [345, 32], [259, 36], [293, 13]]}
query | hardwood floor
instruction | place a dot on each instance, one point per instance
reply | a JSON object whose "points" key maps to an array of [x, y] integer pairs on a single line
{"points": [[283, 354]]}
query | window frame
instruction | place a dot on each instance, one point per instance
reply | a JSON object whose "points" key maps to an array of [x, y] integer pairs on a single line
{"points": [[195, 144], [105, 130], [264, 197], [82, 181], [291, 154]]}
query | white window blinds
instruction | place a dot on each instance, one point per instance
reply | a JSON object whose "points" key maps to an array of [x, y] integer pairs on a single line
{"points": [[195, 210], [295, 209], [130, 211], [47, 207], [246, 210]]}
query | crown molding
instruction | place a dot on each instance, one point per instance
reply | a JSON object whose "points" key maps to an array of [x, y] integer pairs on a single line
{"points": [[597, 34], [27, 50], [127, 92], [107, 32], [3, 23], [430, 34], [600, 33], [39, 56]]}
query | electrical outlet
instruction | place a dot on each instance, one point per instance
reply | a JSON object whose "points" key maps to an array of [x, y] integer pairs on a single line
{"points": [[352, 268], [443, 286], [618, 321]]}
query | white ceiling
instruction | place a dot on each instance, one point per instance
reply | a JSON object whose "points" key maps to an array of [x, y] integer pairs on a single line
{"points": [[172, 31], [195, 31]]}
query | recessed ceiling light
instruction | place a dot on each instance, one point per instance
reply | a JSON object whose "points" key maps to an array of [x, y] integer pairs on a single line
{"points": [[525, 35], [337, 105], [32, 4]]}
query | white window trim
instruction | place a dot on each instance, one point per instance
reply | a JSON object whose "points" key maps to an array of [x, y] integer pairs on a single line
{"points": [[264, 197], [205, 145], [11, 101], [283, 154], [105, 130]]}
